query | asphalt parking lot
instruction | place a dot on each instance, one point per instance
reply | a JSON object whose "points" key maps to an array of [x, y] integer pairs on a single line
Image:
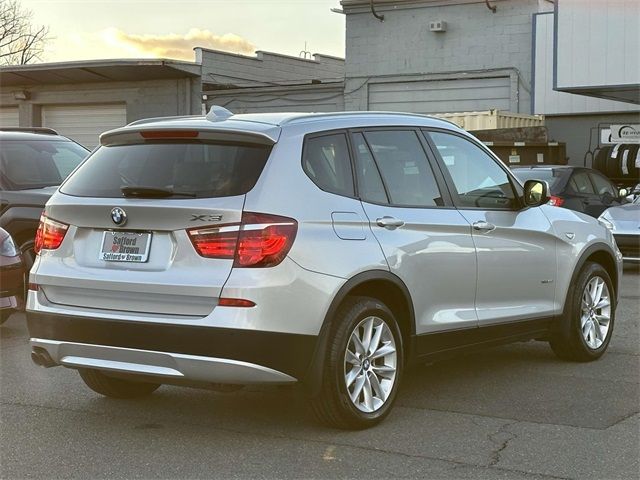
{"points": [[509, 412]]}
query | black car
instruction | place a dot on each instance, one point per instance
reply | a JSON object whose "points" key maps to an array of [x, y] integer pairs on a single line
{"points": [[577, 188], [12, 291], [33, 162]]}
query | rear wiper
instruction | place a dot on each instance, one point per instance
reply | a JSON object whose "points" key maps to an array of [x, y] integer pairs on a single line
{"points": [[153, 192]]}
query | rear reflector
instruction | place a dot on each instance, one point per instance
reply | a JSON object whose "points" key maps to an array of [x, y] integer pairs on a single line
{"points": [[49, 235], [154, 134], [235, 302], [260, 240]]}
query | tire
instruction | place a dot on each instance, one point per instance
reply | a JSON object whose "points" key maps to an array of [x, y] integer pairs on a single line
{"points": [[343, 372], [116, 387], [27, 249], [584, 332]]}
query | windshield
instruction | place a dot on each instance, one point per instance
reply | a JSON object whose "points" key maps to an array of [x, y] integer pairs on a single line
{"points": [[169, 169], [549, 175], [38, 163]]}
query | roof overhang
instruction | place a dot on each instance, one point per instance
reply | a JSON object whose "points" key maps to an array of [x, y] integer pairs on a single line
{"points": [[93, 71], [621, 93]]}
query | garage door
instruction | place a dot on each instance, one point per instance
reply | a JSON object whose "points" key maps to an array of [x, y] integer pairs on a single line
{"points": [[9, 117], [442, 96], [84, 123]]}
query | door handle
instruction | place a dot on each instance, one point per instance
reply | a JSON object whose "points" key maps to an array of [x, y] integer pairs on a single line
{"points": [[482, 226], [389, 222]]}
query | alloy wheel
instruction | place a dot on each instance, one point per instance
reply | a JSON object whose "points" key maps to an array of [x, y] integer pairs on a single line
{"points": [[595, 315], [370, 364]]}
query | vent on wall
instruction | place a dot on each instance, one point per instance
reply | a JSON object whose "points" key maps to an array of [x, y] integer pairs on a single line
{"points": [[438, 26]]}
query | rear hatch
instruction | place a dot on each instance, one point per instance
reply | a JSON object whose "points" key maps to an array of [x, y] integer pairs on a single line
{"points": [[130, 216]]}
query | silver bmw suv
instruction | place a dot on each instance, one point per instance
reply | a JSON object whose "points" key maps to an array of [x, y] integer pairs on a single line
{"points": [[332, 250]]}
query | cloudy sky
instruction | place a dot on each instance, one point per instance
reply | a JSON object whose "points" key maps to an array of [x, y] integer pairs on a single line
{"points": [[90, 29]]}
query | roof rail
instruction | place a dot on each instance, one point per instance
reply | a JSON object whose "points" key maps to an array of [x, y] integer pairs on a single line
{"points": [[316, 116], [48, 131]]}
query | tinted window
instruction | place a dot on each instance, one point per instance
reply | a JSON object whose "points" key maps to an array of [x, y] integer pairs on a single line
{"points": [[580, 183], [326, 161], [195, 169], [370, 185], [404, 168], [38, 163], [478, 179], [602, 185]]}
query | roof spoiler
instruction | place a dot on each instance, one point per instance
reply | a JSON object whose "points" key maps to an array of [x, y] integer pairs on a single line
{"points": [[46, 130], [148, 133]]}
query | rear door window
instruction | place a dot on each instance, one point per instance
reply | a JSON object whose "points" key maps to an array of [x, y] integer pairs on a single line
{"points": [[580, 183], [404, 167], [602, 185], [190, 169]]}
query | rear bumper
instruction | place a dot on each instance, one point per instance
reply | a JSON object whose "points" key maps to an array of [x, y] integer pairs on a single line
{"points": [[186, 352]]}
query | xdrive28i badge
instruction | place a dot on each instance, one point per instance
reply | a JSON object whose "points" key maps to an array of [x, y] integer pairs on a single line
{"points": [[119, 216]]}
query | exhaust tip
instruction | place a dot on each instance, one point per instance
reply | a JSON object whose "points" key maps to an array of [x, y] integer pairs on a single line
{"points": [[41, 357]]}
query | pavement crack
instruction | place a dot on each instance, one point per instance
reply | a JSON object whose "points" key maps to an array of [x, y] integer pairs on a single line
{"points": [[328, 443], [501, 439]]}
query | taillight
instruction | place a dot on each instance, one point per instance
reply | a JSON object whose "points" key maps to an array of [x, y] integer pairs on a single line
{"points": [[260, 240], [555, 201], [50, 234]]}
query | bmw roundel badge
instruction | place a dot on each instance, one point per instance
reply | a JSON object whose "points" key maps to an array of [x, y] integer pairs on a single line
{"points": [[118, 216]]}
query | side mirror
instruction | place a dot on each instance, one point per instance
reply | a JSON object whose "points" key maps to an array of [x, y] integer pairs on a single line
{"points": [[536, 193]]}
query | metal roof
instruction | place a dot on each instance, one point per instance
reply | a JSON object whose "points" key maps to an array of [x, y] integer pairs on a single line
{"points": [[92, 71]]}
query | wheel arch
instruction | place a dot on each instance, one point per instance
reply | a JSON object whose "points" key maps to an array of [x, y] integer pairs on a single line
{"points": [[380, 284], [599, 253]]}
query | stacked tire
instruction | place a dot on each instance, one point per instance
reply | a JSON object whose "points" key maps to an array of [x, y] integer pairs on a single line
{"points": [[621, 163]]}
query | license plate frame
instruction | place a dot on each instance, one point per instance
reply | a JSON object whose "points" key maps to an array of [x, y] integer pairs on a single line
{"points": [[125, 247]]}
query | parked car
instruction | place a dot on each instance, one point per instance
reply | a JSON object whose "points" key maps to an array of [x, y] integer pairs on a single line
{"points": [[624, 222], [33, 162], [12, 273], [581, 189], [328, 249]]}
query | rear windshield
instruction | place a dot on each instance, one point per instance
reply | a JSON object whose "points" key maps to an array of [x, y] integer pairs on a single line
{"points": [[198, 170], [549, 175], [38, 163]]}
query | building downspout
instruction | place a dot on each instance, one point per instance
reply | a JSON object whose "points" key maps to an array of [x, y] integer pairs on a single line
{"points": [[375, 14]]}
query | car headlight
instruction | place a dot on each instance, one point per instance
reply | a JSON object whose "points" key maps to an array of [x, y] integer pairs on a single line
{"points": [[8, 248], [606, 223]]}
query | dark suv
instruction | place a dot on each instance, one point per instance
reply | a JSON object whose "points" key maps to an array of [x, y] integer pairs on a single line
{"points": [[33, 162]]}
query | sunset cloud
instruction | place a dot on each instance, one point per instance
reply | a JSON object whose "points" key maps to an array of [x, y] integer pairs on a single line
{"points": [[177, 46]]}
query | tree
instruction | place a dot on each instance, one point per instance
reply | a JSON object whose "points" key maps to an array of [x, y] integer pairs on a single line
{"points": [[20, 41]]}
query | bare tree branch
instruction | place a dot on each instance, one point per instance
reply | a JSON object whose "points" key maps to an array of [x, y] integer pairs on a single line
{"points": [[20, 41]]}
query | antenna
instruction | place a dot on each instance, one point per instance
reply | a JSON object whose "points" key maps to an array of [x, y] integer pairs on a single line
{"points": [[218, 113], [305, 53]]}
